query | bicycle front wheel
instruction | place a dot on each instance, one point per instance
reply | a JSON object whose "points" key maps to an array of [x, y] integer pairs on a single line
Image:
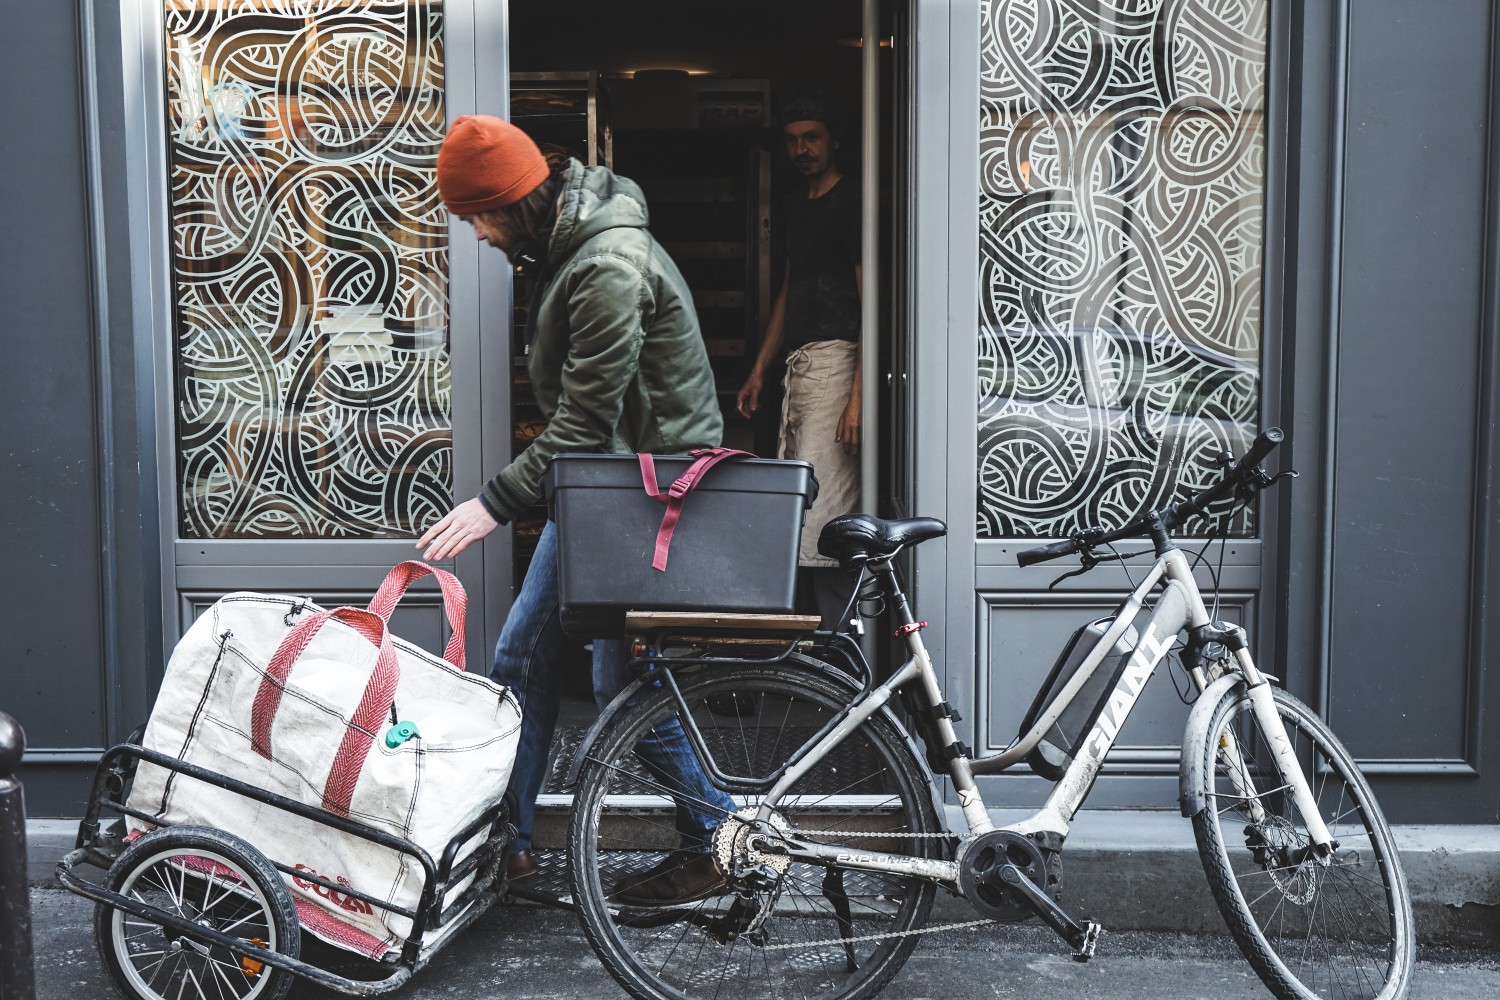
{"points": [[772, 928], [1334, 929]]}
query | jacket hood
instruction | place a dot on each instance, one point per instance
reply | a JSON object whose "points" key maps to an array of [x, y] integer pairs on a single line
{"points": [[594, 199]]}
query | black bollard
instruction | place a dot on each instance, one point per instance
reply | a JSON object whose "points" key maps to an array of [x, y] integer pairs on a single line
{"points": [[17, 971]]}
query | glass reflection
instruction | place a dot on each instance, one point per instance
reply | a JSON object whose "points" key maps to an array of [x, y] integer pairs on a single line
{"points": [[310, 267], [1122, 159]]}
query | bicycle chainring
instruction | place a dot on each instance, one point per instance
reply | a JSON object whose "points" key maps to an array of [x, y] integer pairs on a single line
{"points": [[979, 864]]}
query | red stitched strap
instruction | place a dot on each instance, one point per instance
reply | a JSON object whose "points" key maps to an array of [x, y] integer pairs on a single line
{"points": [[706, 458], [373, 711], [374, 705], [455, 601]]}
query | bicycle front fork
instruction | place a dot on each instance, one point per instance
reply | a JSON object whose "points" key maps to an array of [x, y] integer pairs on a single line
{"points": [[1258, 688]]}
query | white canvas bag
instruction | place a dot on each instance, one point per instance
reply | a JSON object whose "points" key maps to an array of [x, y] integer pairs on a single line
{"points": [[281, 694]]}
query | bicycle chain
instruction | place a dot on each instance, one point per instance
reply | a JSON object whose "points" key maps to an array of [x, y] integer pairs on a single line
{"points": [[875, 937], [928, 929], [873, 833]]}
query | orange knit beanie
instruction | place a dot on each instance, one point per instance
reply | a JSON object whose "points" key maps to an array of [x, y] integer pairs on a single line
{"points": [[486, 163]]}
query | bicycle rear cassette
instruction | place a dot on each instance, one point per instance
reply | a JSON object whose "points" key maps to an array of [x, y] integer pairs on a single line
{"points": [[739, 847]]}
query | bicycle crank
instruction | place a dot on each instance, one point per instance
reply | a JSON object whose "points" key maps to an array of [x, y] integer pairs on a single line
{"points": [[998, 874]]}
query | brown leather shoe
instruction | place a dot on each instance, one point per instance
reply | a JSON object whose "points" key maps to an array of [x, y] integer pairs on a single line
{"points": [[681, 877], [519, 865]]}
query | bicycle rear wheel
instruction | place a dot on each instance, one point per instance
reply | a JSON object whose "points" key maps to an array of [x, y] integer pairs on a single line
{"points": [[1333, 931], [790, 929]]}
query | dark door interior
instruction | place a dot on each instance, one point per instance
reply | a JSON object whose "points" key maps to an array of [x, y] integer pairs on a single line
{"points": [[685, 98]]}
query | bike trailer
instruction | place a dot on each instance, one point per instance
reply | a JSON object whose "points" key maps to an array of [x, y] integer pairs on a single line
{"points": [[716, 531], [327, 708]]}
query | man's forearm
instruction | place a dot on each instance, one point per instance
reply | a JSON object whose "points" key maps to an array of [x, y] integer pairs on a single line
{"points": [[770, 344]]}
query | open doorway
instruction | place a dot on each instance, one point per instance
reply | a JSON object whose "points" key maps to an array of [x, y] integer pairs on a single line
{"points": [[686, 99]]}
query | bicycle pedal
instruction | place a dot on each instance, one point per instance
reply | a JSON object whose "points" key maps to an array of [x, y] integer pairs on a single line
{"points": [[1085, 949]]}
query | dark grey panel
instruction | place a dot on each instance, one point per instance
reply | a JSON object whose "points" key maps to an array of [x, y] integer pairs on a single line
{"points": [[1025, 640], [1022, 637], [1406, 390], [57, 788], [418, 619], [49, 508]]}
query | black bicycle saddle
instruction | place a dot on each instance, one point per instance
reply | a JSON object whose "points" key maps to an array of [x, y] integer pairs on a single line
{"points": [[853, 538]]}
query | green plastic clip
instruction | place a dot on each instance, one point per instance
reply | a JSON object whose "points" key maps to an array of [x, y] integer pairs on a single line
{"points": [[400, 733]]}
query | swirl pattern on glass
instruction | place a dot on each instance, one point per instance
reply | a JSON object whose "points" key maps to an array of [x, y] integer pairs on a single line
{"points": [[1122, 176], [310, 261]]}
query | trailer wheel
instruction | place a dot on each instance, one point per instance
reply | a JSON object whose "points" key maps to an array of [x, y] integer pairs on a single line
{"points": [[212, 879]]}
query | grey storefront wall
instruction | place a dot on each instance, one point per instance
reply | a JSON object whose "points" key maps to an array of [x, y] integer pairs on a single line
{"points": [[1381, 318], [79, 483]]}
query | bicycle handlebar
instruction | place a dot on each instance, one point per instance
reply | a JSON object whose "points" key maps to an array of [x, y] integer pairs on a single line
{"points": [[1246, 472], [1261, 448], [1044, 552]]}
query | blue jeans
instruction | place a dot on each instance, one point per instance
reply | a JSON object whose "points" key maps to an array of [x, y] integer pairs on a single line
{"points": [[526, 658]]}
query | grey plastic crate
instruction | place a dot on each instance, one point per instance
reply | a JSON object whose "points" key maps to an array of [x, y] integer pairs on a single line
{"points": [[734, 548]]}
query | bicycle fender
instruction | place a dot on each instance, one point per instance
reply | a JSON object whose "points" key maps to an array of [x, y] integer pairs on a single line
{"points": [[600, 724], [1190, 769], [606, 717]]}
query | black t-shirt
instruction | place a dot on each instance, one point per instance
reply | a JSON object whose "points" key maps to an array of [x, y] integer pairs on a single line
{"points": [[820, 237]]}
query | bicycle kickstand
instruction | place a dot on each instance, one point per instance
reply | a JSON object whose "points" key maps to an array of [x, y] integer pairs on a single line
{"points": [[1083, 938]]}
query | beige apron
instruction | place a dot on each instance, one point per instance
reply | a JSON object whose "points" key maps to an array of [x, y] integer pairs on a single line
{"points": [[819, 377]]}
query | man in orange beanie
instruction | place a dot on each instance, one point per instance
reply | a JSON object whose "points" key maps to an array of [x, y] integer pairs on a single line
{"points": [[618, 364]]}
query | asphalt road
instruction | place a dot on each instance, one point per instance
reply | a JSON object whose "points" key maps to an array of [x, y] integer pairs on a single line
{"points": [[524, 952]]}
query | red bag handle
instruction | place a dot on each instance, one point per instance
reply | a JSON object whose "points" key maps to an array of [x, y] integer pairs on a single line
{"points": [[455, 601], [707, 458], [373, 709]]}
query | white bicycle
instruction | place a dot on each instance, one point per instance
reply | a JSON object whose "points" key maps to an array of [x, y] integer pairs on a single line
{"points": [[831, 859]]}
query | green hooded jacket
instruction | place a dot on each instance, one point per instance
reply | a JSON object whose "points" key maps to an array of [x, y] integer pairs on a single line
{"points": [[617, 362]]}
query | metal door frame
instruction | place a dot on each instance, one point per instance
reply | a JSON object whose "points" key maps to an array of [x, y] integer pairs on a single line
{"points": [[476, 64], [954, 577]]}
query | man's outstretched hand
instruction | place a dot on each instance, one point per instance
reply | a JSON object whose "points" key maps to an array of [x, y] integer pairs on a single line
{"points": [[457, 530]]}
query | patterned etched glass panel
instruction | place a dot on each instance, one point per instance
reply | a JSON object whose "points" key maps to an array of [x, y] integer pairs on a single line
{"points": [[1122, 169], [310, 257]]}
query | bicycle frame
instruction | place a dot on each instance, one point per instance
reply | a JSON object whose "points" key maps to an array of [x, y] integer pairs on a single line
{"points": [[821, 872], [1178, 607]]}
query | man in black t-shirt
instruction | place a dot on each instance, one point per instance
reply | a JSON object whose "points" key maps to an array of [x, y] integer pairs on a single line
{"points": [[816, 320]]}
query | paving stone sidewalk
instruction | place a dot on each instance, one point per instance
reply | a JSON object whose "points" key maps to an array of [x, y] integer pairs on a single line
{"points": [[526, 952]]}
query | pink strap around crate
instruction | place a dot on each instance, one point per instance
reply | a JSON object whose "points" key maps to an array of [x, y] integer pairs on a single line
{"points": [[374, 705], [455, 601], [707, 458]]}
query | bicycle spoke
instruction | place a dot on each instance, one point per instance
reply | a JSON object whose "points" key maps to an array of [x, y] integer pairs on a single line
{"points": [[676, 795], [220, 977], [150, 973], [182, 984], [180, 895], [147, 928], [778, 934], [226, 972], [1338, 925], [250, 915]]}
